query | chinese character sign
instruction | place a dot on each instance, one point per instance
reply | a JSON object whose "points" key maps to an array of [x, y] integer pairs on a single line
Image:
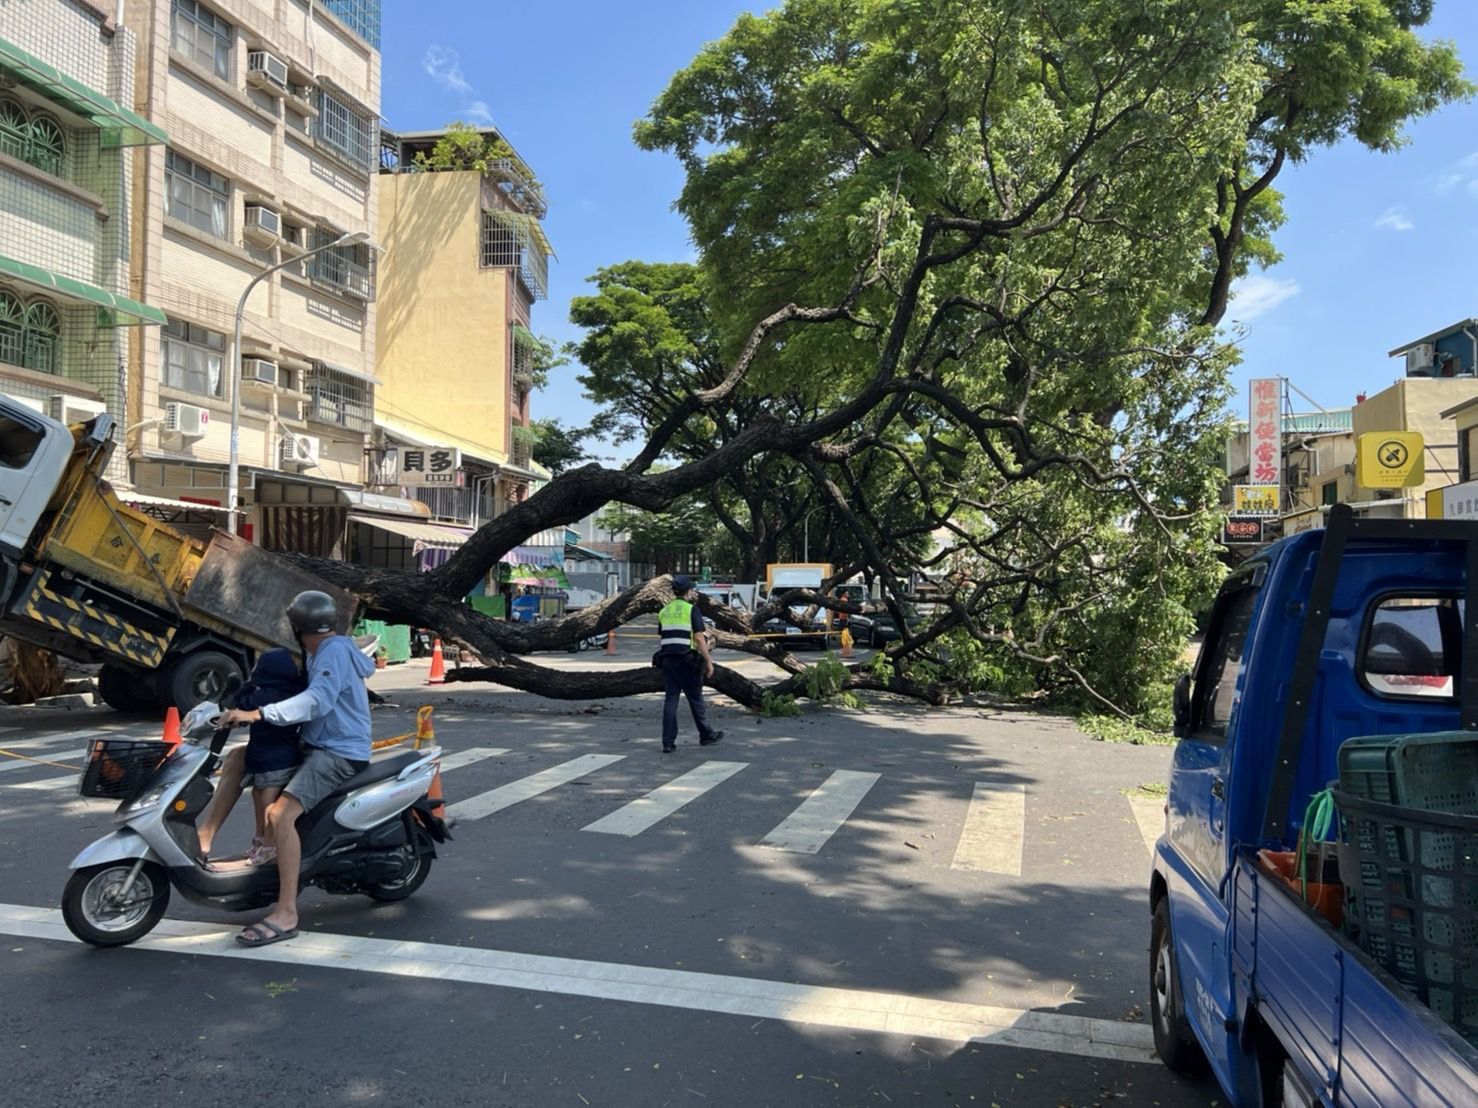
{"points": [[432, 465], [1255, 500], [1265, 431]]}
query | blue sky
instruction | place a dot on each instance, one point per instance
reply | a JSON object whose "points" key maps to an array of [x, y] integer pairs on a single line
{"points": [[1375, 250]]}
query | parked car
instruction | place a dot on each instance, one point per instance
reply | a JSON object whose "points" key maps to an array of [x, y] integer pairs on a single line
{"points": [[796, 632], [879, 628]]}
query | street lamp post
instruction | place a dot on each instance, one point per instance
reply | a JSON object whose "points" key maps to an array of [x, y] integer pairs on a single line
{"points": [[233, 470], [806, 533]]}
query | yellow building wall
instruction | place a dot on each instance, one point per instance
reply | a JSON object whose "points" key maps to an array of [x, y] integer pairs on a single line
{"points": [[442, 321], [1416, 404]]}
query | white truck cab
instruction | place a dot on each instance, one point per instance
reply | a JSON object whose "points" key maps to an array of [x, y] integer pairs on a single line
{"points": [[35, 451]]}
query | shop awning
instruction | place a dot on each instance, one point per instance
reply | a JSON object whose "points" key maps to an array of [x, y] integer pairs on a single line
{"points": [[120, 126], [71, 289], [146, 502], [585, 554], [539, 577], [428, 535], [533, 556]]}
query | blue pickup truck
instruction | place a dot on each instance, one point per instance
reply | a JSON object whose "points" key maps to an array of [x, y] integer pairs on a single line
{"points": [[1367, 628]]}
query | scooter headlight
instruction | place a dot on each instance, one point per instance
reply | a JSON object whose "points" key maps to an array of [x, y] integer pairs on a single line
{"points": [[145, 801]]}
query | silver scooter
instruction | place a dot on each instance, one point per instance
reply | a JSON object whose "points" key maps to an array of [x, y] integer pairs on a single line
{"points": [[375, 834]]}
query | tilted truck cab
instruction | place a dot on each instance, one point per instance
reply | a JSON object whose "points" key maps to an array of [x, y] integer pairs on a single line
{"points": [[1364, 629], [169, 618]]}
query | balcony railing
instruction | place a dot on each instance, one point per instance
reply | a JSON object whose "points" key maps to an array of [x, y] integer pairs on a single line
{"points": [[515, 241], [338, 272], [515, 182]]}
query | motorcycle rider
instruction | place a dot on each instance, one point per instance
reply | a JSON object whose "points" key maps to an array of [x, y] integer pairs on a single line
{"points": [[335, 714]]}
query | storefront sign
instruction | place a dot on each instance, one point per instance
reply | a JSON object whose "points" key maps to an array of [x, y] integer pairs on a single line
{"points": [[1454, 501], [1303, 521], [425, 465], [1265, 431], [1255, 500], [1237, 532], [1390, 460]]}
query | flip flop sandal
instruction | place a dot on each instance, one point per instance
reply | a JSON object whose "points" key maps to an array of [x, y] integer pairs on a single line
{"points": [[263, 933]]}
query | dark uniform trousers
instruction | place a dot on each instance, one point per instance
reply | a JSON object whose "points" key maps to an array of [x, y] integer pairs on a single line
{"points": [[682, 674]]}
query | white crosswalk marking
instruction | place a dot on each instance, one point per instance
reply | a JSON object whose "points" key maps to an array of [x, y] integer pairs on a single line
{"points": [[806, 830], [505, 796], [66, 738], [49, 784], [1149, 814], [991, 840], [50, 756], [470, 756], [661, 802]]}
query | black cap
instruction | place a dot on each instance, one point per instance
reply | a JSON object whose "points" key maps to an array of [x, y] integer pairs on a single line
{"points": [[681, 583]]}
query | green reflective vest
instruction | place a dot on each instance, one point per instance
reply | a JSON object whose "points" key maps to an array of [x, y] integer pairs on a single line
{"points": [[675, 625]]}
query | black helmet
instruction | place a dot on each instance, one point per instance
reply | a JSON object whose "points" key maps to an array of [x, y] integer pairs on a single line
{"points": [[681, 583], [313, 613]]}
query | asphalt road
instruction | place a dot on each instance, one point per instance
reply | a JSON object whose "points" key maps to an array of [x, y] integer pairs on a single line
{"points": [[881, 907]]}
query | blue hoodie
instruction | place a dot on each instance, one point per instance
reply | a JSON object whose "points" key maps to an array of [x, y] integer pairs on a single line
{"points": [[334, 710], [275, 677]]}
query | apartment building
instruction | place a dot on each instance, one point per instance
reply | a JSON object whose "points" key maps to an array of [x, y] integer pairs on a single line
{"points": [[272, 111], [67, 130], [465, 259]]}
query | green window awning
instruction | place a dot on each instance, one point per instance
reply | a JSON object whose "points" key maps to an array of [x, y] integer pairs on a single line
{"points": [[120, 126], [111, 307]]}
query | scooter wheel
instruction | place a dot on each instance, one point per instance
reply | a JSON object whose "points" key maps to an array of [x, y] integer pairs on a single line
{"points": [[92, 912], [399, 889]]}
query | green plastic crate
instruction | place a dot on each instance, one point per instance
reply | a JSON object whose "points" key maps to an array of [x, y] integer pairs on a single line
{"points": [[1436, 772]]}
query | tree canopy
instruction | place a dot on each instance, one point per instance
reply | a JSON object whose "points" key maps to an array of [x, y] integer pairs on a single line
{"points": [[961, 265]]}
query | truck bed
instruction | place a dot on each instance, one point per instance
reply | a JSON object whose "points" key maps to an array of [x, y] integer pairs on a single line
{"points": [[1360, 1036]]}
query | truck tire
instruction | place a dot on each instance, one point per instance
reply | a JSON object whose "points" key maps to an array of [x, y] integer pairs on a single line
{"points": [[1175, 1043], [127, 690], [198, 676]]}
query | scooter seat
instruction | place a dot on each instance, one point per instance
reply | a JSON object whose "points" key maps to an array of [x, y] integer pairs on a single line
{"points": [[376, 771]]}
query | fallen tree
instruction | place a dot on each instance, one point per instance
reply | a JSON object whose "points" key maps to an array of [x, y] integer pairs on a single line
{"points": [[988, 245]]}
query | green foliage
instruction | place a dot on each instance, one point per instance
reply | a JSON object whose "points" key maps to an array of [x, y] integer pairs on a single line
{"points": [[778, 705], [557, 447], [1117, 729], [465, 146], [824, 681]]}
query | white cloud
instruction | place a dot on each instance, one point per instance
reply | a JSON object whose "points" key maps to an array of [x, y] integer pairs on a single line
{"points": [[1257, 294], [477, 111], [1394, 219], [444, 66]]}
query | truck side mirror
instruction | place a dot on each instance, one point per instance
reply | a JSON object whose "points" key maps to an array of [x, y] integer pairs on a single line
{"points": [[1181, 706]]}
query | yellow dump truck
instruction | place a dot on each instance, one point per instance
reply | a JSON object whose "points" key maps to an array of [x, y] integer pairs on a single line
{"points": [[169, 618]]}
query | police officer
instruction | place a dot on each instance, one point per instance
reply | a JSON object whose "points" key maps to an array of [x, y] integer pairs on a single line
{"points": [[685, 662]]}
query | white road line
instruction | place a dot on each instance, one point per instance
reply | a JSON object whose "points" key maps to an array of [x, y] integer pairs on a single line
{"points": [[470, 756], [1149, 813], [661, 802], [7, 764], [505, 796], [995, 827], [806, 830], [61, 738], [49, 784], [816, 1006]]}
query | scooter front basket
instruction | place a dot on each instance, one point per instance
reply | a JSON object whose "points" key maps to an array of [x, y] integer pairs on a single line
{"points": [[118, 769]]}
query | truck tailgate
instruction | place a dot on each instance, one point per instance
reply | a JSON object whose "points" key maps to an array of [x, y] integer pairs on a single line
{"points": [[1366, 1038], [243, 591]]}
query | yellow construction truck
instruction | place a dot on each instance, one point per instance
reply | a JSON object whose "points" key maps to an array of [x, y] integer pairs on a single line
{"points": [[169, 618]]}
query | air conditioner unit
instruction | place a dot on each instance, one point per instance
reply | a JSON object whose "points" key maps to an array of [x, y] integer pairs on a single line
{"points": [[186, 420], [258, 371], [1421, 356], [267, 72], [263, 225], [73, 409], [299, 451]]}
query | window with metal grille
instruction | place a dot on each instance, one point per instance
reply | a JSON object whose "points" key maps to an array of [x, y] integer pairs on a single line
{"points": [[193, 358], [31, 137], [195, 195], [508, 242], [343, 267], [340, 399], [30, 333], [202, 36], [348, 128]]}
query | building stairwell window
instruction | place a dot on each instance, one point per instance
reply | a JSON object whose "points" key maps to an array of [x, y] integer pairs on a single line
{"points": [[32, 137], [30, 333]]}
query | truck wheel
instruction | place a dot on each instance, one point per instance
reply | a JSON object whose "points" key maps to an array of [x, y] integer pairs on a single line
{"points": [[127, 690], [1175, 1043], [198, 676]]}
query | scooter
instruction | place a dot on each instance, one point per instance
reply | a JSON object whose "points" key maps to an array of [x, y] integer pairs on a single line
{"points": [[375, 834]]}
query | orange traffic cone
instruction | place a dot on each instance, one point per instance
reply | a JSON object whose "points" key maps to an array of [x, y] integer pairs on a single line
{"points": [[172, 726], [433, 794], [847, 643], [425, 732], [438, 666], [611, 641]]}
